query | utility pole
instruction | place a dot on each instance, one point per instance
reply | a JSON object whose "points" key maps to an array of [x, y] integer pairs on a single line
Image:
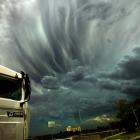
{"points": [[136, 117], [79, 116]]}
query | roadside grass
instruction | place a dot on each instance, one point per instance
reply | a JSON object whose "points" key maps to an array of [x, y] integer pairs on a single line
{"points": [[124, 136]]}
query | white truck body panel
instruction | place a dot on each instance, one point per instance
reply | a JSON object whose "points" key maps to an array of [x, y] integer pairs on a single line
{"points": [[9, 72], [14, 117], [11, 128]]}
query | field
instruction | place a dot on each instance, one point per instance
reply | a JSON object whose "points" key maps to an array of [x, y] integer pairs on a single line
{"points": [[124, 136]]}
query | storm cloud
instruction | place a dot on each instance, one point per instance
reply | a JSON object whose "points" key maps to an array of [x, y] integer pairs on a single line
{"points": [[126, 77]]}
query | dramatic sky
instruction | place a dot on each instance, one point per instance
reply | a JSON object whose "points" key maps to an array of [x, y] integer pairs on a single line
{"points": [[81, 55]]}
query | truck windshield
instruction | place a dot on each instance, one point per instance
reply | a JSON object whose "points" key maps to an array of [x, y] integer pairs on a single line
{"points": [[10, 88]]}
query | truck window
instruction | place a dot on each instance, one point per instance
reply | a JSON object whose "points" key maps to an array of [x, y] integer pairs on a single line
{"points": [[10, 88]]}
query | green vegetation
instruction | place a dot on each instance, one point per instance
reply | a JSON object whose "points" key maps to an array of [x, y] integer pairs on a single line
{"points": [[124, 136], [129, 114]]}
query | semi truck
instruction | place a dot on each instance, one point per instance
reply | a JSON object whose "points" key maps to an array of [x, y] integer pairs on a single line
{"points": [[15, 93]]}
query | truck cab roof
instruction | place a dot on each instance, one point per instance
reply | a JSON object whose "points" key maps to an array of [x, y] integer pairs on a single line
{"points": [[8, 72]]}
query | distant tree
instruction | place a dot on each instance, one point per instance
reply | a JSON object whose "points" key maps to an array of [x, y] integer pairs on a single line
{"points": [[114, 124], [126, 115], [136, 111], [123, 107]]}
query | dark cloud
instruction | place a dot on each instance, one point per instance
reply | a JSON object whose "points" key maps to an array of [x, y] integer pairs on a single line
{"points": [[126, 77], [109, 84], [77, 74], [128, 69], [50, 82], [133, 91]]}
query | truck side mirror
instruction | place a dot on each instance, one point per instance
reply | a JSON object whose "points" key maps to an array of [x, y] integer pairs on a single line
{"points": [[27, 88]]}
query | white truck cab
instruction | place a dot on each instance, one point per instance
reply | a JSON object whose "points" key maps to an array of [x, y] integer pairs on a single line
{"points": [[14, 111]]}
